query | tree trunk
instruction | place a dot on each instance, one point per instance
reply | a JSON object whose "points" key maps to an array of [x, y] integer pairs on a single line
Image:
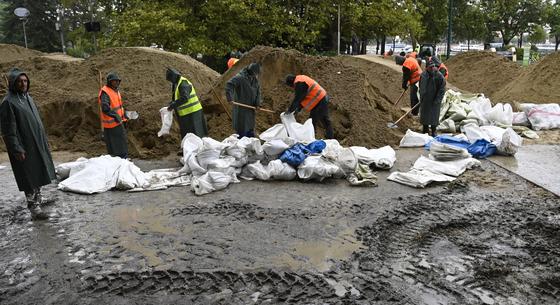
{"points": [[520, 41], [377, 45], [383, 40], [468, 44], [364, 46], [557, 37]]}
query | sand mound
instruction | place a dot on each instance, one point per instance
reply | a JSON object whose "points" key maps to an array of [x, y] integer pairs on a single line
{"points": [[481, 72], [66, 93], [361, 93], [537, 84], [12, 52]]}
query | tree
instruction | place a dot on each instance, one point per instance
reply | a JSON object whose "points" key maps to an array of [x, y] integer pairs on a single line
{"points": [[553, 20], [40, 28], [512, 17], [434, 19], [469, 24], [537, 34]]}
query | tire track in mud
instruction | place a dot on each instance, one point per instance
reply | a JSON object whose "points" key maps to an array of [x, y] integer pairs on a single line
{"points": [[276, 286], [461, 249]]}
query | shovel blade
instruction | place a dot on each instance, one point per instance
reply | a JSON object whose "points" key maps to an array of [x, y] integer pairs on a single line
{"points": [[392, 125]]}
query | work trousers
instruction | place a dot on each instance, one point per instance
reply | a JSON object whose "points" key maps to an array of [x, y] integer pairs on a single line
{"points": [[320, 116], [414, 98]]}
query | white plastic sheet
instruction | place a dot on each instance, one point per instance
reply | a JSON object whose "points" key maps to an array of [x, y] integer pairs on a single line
{"points": [[415, 139], [102, 174], [166, 121], [304, 133]]}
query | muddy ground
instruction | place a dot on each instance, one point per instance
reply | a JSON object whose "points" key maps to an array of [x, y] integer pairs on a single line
{"points": [[488, 238]]}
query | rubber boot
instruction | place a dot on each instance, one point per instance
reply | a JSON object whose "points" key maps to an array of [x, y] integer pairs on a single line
{"points": [[43, 200], [36, 212]]}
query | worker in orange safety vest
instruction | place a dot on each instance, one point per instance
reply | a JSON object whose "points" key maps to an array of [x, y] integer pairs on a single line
{"points": [[113, 116], [411, 75]]}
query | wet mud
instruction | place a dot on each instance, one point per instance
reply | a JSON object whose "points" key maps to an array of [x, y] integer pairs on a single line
{"points": [[488, 238]]}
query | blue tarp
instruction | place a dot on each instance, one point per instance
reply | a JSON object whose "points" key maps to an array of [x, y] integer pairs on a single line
{"points": [[480, 149], [296, 154]]}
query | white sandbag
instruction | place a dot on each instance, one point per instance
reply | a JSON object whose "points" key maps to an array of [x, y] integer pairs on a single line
{"points": [[510, 143], [192, 166], [346, 160], [276, 132], [448, 125], [206, 157], [480, 107], [275, 147], [544, 116], [63, 170], [166, 121], [332, 149], [520, 119], [279, 170], [415, 139], [457, 112], [210, 182], [251, 145], [258, 171], [190, 145], [494, 133], [302, 133], [450, 168], [500, 114], [474, 132], [418, 178], [383, 157], [209, 143], [319, 168], [445, 152]]}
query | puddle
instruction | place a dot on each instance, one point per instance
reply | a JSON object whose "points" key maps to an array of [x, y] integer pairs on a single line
{"points": [[135, 221], [319, 255]]}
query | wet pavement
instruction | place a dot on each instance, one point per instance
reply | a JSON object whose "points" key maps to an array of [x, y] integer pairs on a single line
{"points": [[488, 238], [539, 164]]}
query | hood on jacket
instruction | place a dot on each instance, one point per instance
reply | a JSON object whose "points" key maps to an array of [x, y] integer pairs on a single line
{"points": [[13, 75], [172, 75], [436, 61], [254, 69]]}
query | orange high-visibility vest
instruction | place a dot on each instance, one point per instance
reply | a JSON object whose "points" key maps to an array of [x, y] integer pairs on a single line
{"points": [[442, 66], [412, 64], [315, 93], [231, 62], [116, 105]]}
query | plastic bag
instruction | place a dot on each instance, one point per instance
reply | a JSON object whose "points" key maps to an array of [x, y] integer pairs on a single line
{"points": [[481, 149], [414, 139], [500, 114], [383, 157], [166, 121], [494, 133], [276, 132], [295, 155], [510, 143], [545, 116], [520, 119], [302, 133]]}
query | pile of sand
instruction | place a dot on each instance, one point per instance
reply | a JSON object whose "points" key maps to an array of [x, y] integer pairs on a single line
{"points": [[481, 72], [537, 84], [12, 52], [66, 93], [361, 94]]}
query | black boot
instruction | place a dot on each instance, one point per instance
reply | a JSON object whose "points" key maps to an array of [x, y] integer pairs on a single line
{"points": [[36, 212]]}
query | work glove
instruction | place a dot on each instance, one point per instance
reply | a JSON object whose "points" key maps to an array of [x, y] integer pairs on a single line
{"points": [[170, 107]]}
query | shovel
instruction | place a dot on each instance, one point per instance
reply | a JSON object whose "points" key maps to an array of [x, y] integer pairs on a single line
{"points": [[400, 97], [394, 125], [253, 107]]}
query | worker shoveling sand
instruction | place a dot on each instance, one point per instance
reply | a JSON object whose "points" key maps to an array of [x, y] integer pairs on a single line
{"points": [[66, 93], [361, 94]]}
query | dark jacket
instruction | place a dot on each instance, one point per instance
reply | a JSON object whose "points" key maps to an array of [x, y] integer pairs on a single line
{"points": [[432, 90], [23, 132], [184, 90], [244, 88]]}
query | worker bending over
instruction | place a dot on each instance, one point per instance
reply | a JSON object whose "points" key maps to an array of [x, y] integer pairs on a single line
{"points": [[411, 75]]}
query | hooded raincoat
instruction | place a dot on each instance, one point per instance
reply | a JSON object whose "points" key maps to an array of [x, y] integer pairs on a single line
{"points": [[244, 88], [23, 132], [194, 122], [432, 90]]}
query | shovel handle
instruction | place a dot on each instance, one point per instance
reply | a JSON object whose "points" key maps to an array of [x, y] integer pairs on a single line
{"points": [[252, 107], [400, 97], [404, 115]]}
